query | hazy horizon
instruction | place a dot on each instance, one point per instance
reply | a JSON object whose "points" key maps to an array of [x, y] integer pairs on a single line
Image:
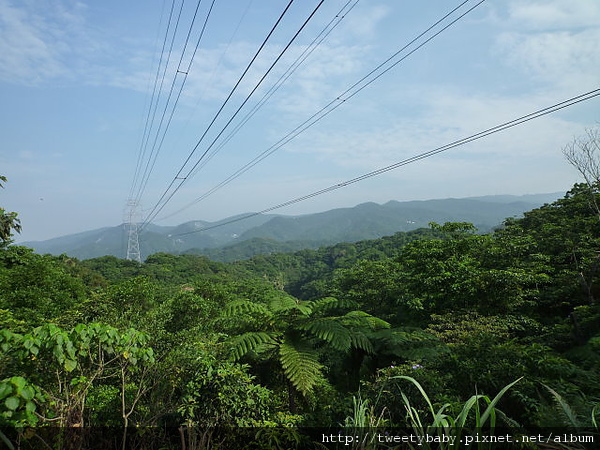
{"points": [[20, 241]]}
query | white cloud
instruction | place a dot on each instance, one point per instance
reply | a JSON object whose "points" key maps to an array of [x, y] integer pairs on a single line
{"points": [[565, 59], [28, 52], [45, 41], [553, 42], [328, 72], [329, 69], [447, 118], [363, 21], [555, 14]]}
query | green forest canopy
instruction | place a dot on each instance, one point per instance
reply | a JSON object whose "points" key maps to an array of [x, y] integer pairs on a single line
{"points": [[297, 339]]}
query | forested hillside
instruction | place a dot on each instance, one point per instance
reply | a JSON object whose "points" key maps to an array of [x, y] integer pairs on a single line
{"points": [[232, 238], [343, 336]]}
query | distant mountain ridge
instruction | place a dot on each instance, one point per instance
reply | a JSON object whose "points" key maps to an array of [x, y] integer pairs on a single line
{"points": [[263, 234]]}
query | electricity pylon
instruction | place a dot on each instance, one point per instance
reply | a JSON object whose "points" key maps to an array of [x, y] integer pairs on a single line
{"points": [[131, 225]]}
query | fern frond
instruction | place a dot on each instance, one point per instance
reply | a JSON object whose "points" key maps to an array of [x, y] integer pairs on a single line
{"points": [[288, 303], [238, 307], [566, 409], [328, 303], [331, 331], [300, 366], [363, 319], [359, 340], [282, 303], [393, 337], [247, 342]]}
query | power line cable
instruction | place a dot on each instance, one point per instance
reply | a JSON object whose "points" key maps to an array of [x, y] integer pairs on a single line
{"points": [[221, 57], [253, 90], [177, 176], [146, 170], [350, 92], [496, 129], [158, 208], [341, 14], [185, 74], [141, 151]]}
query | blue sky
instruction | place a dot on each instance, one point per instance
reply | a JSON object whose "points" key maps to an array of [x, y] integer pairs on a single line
{"points": [[76, 79]]}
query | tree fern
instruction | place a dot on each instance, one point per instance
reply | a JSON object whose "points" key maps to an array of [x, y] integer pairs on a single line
{"points": [[331, 331], [292, 327], [237, 307], [326, 304], [364, 320], [247, 342], [360, 340], [286, 303], [300, 365], [407, 344]]}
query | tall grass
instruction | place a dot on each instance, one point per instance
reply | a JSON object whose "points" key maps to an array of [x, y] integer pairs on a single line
{"points": [[445, 430], [363, 422], [450, 430]]}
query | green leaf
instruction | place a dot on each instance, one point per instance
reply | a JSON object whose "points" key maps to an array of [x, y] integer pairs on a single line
{"points": [[490, 410], [300, 366], [27, 393], [331, 331], [361, 341], [328, 303], [70, 349], [364, 319], [567, 410], [287, 303], [6, 441], [58, 354], [5, 389], [12, 403], [248, 342], [19, 382], [70, 365]]}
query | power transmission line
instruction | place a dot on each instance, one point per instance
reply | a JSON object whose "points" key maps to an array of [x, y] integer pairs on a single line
{"points": [[158, 207], [148, 105], [496, 129], [177, 176], [185, 74], [340, 15], [350, 92], [131, 221], [133, 203], [157, 88], [221, 57]]}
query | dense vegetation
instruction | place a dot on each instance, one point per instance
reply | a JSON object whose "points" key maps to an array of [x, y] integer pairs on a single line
{"points": [[311, 338]]}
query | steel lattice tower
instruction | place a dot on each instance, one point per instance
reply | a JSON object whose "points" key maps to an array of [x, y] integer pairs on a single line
{"points": [[131, 224]]}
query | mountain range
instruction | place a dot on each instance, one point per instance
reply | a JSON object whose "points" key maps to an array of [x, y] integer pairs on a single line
{"points": [[246, 235]]}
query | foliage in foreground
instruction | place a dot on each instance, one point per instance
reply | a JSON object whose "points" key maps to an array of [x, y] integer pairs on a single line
{"points": [[394, 332]]}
